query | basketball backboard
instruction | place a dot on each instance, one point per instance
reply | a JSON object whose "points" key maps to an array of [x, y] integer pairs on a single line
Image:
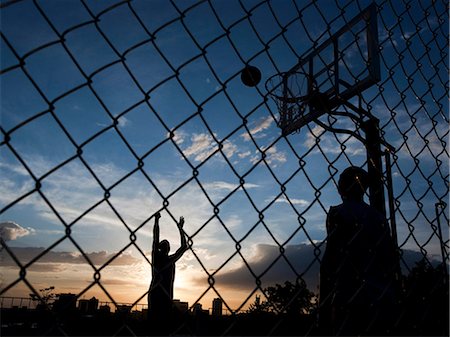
{"points": [[340, 68]]}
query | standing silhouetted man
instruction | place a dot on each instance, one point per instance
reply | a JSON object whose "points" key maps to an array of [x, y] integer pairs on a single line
{"points": [[160, 296], [357, 281]]}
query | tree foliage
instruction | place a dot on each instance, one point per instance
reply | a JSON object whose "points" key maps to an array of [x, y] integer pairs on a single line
{"points": [[290, 298], [46, 296], [425, 309]]}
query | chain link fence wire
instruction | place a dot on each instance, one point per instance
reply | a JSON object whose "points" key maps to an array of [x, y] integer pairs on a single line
{"points": [[113, 111]]}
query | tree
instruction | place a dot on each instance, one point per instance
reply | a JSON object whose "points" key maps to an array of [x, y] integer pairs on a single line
{"points": [[45, 297], [258, 307], [290, 298], [426, 300]]}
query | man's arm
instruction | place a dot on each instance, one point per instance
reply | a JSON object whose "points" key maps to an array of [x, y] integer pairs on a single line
{"points": [[183, 244], [156, 233]]}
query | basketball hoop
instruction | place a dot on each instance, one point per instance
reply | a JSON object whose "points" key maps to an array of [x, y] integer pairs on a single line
{"points": [[297, 99], [322, 80], [290, 87]]}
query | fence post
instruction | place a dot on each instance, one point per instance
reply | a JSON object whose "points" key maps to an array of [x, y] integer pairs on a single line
{"points": [[390, 195], [441, 239], [374, 164]]}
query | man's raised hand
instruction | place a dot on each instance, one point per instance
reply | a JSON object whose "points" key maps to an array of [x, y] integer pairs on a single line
{"points": [[181, 223]]}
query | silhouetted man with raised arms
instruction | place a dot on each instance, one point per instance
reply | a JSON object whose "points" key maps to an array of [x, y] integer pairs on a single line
{"points": [[160, 295], [357, 274]]}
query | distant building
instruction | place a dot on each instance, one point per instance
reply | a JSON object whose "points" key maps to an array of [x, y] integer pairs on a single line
{"points": [[104, 309], [138, 314], [83, 306], [217, 307], [181, 306], [197, 307], [123, 309], [198, 310], [65, 304], [88, 306]]}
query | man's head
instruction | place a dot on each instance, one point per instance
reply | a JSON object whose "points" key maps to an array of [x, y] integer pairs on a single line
{"points": [[353, 182], [164, 247]]}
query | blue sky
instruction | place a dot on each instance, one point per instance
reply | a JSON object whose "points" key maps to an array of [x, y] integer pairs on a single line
{"points": [[102, 79]]}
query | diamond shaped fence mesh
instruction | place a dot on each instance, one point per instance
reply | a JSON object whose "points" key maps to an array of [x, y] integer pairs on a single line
{"points": [[115, 111]]}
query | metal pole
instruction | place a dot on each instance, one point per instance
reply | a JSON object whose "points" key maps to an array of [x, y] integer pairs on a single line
{"points": [[390, 193], [374, 164], [444, 262]]}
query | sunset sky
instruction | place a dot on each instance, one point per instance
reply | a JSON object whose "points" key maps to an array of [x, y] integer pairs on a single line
{"points": [[103, 94]]}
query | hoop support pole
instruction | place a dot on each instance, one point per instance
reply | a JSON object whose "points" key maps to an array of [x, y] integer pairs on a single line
{"points": [[390, 192], [374, 165]]}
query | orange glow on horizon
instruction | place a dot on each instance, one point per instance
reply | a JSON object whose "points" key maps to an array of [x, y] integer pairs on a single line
{"points": [[125, 284]]}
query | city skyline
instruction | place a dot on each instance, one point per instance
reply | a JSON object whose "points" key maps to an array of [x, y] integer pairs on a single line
{"points": [[87, 305]]}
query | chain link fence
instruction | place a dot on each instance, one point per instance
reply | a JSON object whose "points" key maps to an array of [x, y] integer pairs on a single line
{"points": [[113, 111]]}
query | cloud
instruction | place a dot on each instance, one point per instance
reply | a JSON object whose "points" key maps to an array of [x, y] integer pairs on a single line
{"points": [[71, 190], [12, 231], [46, 267], [425, 141], [261, 125], [202, 146], [301, 202], [313, 136], [123, 121], [331, 143], [69, 179], [223, 185], [178, 136], [273, 156], [229, 149], [17, 169], [415, 137], [25, 254], [115, 282], [243, 155], [301, 258]]}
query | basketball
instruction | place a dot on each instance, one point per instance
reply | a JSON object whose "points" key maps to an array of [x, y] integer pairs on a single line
{"points": [[250, 76]]}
